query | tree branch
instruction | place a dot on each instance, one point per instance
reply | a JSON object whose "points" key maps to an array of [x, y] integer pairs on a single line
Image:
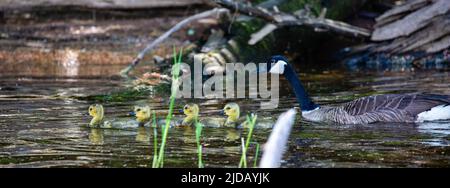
{"points": [[284, 19], [178, 26]]}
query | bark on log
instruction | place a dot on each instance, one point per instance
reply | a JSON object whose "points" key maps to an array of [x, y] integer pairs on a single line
{"points": [[412, 22], [437, 46], [236, 48], [99, 4], [437, 29], [416, 26], [402, 9]]}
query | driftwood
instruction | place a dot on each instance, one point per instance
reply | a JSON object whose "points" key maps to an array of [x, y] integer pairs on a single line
{"points": [[234, 49], [98, 4], [218, 50], [155, 43], [436, 29], [415, 26], [411, 22], [285, 19], [399, 11]]}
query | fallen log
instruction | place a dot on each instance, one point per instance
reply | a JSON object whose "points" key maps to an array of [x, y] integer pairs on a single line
{"points": [[286, 19], [98, 4], [417, 29], [155, 43], [244, 40], [412, 22]]}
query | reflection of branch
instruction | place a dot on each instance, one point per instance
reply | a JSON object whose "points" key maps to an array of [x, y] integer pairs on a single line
{"points": [[285, 19], [178, 26]]}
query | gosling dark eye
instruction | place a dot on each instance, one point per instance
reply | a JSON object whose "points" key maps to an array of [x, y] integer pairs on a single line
{"points": [[227, 108], [90, 109], [185, 107], [137, 110]]}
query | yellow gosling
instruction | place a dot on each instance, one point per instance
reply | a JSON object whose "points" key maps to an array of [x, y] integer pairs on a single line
{"points": [[232, 111], [143, 114], [97, 113], [191, 111]]}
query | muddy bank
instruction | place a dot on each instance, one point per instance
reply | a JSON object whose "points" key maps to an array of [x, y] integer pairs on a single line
{"points": [[79, 37]]}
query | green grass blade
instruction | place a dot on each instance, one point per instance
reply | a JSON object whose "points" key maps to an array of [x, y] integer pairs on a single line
{"points": [[255, 161], [155, 142], [251, 121], [198, 133], [175, 73]]}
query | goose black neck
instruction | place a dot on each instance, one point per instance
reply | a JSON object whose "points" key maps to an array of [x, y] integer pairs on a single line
{"points": [[302, 97]]}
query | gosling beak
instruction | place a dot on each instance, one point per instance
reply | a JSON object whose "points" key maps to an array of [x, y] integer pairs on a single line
{"points": [[222, 112], [131, 114], [181, 111]]}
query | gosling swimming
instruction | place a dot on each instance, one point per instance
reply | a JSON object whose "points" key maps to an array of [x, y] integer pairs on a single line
{"points": [[232, 111], [142, 114], [192, 111], [98, 115], [98, 119]]}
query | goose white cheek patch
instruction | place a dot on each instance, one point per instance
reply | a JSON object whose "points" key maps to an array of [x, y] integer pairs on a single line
{"points": [[278, 68]]}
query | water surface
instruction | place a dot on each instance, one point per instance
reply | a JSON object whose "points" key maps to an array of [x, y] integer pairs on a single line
{"points": [[43, 123]]}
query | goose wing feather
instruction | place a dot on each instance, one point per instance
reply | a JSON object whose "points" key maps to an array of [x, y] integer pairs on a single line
{"points": [[402, 104]]}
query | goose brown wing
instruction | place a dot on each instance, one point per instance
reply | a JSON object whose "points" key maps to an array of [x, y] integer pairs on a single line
{"points": [[411, 104]]}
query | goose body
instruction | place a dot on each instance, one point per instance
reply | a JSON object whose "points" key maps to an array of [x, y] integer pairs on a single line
{"points": [[408, 108]]}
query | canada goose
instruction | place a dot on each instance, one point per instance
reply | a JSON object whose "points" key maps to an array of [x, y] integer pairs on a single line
{"points": [[379, 108]]}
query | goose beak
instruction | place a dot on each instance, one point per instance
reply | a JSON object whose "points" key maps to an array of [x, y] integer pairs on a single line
{"points": [[132, 114], [222, 112]]}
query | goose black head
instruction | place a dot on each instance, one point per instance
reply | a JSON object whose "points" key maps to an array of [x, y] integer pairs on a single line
{"points": [[277, 64]]}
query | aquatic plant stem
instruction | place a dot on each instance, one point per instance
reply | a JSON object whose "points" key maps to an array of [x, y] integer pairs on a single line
{"points": [[155, 142], [175, 73], [255, 161], [198, 133], [251, 121], [244, 155]]}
